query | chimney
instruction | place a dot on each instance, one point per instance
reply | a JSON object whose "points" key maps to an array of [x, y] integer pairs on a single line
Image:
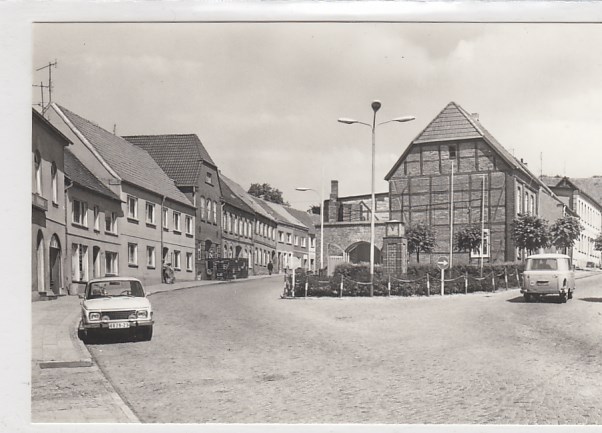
{"points": [[333, 208]]}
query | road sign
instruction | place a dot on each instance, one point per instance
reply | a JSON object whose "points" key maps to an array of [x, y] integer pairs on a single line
{"points": [[443, 262]]}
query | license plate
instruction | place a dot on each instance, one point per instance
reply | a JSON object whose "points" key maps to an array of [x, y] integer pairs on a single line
{"points": [[543, 283], [119, 325]]}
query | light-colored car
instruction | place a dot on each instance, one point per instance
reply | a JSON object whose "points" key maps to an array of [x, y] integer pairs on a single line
{"points": [[548, 274], [115, 303]]}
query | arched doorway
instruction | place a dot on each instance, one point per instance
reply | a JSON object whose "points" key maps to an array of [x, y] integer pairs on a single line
{"points": [[360, 252], [40, 262], [55, 264], [238, 250]]}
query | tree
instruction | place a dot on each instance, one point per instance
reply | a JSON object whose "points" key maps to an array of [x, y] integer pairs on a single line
{"points": [[421, 238], [267, 192], [598, 243], [530, 232], [564, 232], [314, 209], [468, 238]]}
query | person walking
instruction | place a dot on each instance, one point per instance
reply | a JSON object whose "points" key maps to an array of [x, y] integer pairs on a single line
{"points": [[270, 267]]}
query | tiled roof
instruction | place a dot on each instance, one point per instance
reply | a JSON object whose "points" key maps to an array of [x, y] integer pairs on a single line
{"points": [[305, 218], [230, 197], [133, 164], [592, 186], [454, 123], [279, 212], [550, 181], [240, 192], [177, 154], [79, 174]]}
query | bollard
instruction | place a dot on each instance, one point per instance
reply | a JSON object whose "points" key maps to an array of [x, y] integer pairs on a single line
{"points": [[293, 290], [506, 277], [428, 285], [517, 278], [341, 291], [389, 287], [442, 282], [466, 283], [306, 284], [493, 281]]}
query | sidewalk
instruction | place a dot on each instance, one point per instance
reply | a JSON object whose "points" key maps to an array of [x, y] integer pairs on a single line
{"points": [[66, 384]]}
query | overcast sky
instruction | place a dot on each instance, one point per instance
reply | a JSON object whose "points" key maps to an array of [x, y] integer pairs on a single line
{"points": [[264, 98]]}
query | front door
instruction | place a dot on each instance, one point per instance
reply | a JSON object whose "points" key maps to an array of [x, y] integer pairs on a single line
{"points": [[55, 270]]}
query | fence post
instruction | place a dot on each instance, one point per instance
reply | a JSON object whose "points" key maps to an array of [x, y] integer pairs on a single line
{"points": [[389, 286], [506, 277], [428, 285], [493, 280], [306, 284], [517, 278], [466, 283], [341, 290], [293, 290], [442, 282]]}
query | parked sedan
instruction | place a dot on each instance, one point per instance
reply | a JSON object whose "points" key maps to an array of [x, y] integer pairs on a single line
{"points": [[115, 303], [548, 274]]}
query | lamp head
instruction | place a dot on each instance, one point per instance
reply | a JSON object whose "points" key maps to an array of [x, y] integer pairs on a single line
{"points": [[376, 105]]}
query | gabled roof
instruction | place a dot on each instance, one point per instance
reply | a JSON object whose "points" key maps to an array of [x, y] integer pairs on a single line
{"points": [[179, 155], [591, 188], [230, 197], [240, 192], [551, 181], [131, 163], [44, 121], [455, 123], [80, 175], [304, 218], [279, 213]]}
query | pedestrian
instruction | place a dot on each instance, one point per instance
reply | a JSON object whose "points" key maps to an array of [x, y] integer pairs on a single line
{"points": [[270, 267]]}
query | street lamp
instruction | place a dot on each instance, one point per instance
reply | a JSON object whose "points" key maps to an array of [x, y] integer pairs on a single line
{"points": [[375, 107], [321, 221]]}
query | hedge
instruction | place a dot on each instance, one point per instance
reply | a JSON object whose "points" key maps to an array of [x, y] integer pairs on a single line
{"points": [[356, 279]]}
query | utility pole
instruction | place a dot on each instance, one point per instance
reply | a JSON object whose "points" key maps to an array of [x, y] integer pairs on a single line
{"points": [[50, 65], [451, 219], [482, 224]]}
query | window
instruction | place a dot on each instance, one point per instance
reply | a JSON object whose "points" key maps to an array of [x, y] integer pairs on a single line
{"points": [[208, 202], [313, 242], [96, 218], [150, 213], [150, 257], [38, 172], [519, 199], [203, 214], [164, 218], [477, 251], [280, 236], [289, 238], [110, 263], [296, 240], [452, 152], [132, 207], [79, 213], [79, 262], [55, 184], [132, 254], [176, 221], [176, 260], [111, 222], [303, 242], [209, 178], [189, 229], [215, 212], [189, 261]]}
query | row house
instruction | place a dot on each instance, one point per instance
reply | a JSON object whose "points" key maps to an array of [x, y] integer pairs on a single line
{"points": [[589, 212], [490, 186], [93, 212], [156, 222], [311, 222], [238, 222], [263, 230], [186, 161], [292, 250], [48, 210]]}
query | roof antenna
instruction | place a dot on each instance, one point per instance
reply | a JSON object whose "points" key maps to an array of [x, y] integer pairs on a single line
{"points": [[114, 129], [49, 86], [540, 164]]}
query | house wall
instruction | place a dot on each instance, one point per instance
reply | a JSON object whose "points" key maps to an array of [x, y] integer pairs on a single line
{"points": [[264, 244], [237, 233], [208, 227], [50, 222]]}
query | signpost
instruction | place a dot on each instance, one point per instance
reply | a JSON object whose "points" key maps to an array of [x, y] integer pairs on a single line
{"points": [[443, 264]]}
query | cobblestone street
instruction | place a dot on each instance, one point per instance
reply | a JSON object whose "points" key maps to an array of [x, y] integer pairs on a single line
{"points": [[238, 353]]}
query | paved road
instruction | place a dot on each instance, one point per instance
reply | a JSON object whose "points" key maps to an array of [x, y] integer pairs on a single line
{"points": [[238, 353]]}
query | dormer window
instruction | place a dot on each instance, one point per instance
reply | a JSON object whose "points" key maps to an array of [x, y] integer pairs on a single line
{"points": [[452, 152]]}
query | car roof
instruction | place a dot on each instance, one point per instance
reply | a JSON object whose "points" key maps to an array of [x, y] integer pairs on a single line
{"points": [[549, 256], [98, 280]]}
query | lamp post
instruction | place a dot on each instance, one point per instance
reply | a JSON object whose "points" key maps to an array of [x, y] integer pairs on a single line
{"points": [[375, 107], [321, 195]]}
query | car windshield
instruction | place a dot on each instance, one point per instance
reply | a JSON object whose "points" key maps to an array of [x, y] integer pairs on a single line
{"points": [[552, 264], [109, 289]]}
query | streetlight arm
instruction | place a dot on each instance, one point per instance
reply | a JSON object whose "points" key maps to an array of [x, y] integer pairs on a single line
{"points": [[352, 121], [399, 119]]}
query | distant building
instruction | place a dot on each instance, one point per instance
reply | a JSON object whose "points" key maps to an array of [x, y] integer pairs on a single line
{"points": [[158, 219], [48, 213], [238, 222], [312, 222], [589, 212], [186, 161]]}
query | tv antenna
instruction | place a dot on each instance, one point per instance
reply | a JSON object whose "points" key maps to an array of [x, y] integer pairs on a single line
{"points": [[44, 107]]}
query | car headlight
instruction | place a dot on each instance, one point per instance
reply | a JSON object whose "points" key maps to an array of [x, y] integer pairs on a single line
{"points": [[94, 316], [142, 314]]}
